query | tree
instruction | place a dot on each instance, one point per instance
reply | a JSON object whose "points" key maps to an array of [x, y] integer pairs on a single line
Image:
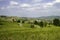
{"points": [[18, 21], [35, 22], [56, 22], [23, 21], [41, 24], [14, 20]]}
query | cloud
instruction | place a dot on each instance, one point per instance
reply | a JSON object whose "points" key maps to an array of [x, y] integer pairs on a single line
{"points": [[50, 4], [32, 8], [47, 5], [47, 1], [57, 1], [13, 3], [25, 5]]}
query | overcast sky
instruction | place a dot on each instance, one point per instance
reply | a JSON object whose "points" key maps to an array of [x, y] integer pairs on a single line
{"points": [[30, 8]]}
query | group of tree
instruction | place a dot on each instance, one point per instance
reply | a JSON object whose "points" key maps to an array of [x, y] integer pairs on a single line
{"points": [[20, 21], [41, 23], [55, 22]]}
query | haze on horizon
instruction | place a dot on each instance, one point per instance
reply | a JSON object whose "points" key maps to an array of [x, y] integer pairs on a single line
{"points": [[30, 8]]}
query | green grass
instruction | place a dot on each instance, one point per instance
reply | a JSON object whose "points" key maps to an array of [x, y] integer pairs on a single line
{"points": [[12, 31]]}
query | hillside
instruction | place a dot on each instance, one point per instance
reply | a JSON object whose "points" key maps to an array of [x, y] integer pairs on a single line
{"points": [[17, 30]]}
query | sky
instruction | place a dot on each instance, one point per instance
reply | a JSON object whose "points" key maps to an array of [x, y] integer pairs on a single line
{"points": [[30, 8]]}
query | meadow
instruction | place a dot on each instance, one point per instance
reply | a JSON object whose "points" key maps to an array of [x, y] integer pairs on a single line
{"points": [[13, 31]]}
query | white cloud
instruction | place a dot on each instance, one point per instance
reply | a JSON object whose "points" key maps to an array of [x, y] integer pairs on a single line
{"points": [[31, 7], [25, 5], [36, 8], [50, 4], [47, 5], [13, 3], [57, 1]]}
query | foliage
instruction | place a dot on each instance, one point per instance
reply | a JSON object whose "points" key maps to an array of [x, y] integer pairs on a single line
{"points": [[56, 22], [41, 24], [18, 21], [23, 21], [35, 22]]}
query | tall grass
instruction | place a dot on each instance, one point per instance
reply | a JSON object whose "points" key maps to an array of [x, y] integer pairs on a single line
{"points": [[12, 31], [30, 34]]}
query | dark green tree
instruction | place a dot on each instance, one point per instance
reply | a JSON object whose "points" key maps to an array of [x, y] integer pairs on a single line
{"points": [[18, 21], [56, 22], [23, 21], [41, 24], [35, 22]]}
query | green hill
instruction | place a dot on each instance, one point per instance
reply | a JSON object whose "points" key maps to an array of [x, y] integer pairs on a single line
{"points": [[13, 31]]}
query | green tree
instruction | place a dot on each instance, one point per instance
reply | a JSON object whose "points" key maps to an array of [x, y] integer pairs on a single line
{"points": [[41, 24], [23, 21], [56, 22], [18, 21], [35, 22]]}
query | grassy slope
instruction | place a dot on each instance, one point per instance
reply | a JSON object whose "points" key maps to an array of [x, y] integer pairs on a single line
{"points": [[11, 31]]}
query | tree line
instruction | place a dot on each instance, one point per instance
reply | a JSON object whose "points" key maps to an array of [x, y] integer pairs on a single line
{"points": [[55, 22]]}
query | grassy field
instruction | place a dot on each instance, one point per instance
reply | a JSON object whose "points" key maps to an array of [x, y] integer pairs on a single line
{"points": [[12, 31]]}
